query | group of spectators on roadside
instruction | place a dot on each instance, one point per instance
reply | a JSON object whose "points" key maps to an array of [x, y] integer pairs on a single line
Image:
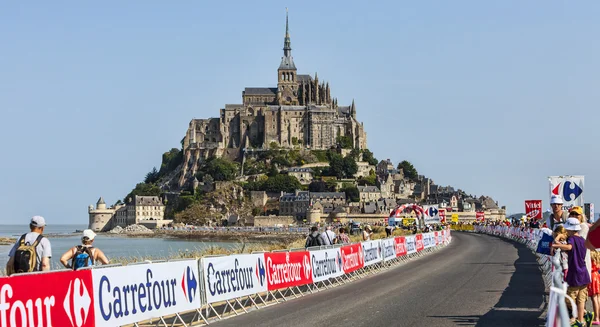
{"points": [[327, 237], [33, 251]]}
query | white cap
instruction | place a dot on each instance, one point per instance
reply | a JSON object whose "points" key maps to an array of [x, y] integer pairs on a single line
{"points": [[38, 221], [572, 224], [89, 234], [556, 199]]}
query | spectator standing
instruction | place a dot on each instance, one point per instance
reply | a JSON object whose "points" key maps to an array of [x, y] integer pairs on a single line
{"points": [[594, 286], [32, 251], [342, 237], [388, 230], [367, 232], [558, 215], [577, 277], [328, 236], [85, 254], [314, 238]]}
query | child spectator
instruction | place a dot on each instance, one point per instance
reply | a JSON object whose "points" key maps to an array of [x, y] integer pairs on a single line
{"points": [[594, 286], [560, 237], [578, 277]]}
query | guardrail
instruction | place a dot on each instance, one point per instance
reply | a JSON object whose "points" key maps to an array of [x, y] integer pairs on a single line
{"points": [[557, 313], [197, 291]]}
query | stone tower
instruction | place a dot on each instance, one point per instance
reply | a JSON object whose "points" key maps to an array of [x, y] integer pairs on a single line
{"points": [[287, 82], [101, 217]]}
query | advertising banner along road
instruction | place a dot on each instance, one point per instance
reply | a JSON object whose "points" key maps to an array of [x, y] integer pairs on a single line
{"points": [[352, 257], [128, 294], [226, 278], [287, 269], [326, 264], [570, 188], [388, 246], [533, 209]]}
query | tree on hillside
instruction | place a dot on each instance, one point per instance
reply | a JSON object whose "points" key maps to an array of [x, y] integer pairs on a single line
{"points": [[352, 194], [152, 176], [336, 166], [170, 161], [409, 170], [368, 157], [350, 167], [220, 169], [317, 186], [279, 183], [143, 189], [345, 142]]}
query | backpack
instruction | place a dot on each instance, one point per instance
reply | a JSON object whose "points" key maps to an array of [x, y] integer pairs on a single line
{"points": [[83, 257], [25, 258], [313, 240]]}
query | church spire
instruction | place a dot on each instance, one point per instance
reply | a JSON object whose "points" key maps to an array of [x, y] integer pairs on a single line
{"points": [[287, 44], [287, 62]]}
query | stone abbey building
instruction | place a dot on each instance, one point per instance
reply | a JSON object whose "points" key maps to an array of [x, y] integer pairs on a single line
{"points": [[299, 112]]}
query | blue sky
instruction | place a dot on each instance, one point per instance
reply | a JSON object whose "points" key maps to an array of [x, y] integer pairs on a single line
{"points": [[490, 97]]}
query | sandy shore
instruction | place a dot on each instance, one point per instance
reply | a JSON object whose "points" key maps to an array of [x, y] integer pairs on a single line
{"points": [[220, 236], [7, 240]]}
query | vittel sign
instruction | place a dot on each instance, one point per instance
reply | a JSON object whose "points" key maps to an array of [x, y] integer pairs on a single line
{"points": [[326, 264], [388, 247], [352, 257], [60, 299], [287, 269], [229, 277], [124, 295], [400, 243], [419, 242]]}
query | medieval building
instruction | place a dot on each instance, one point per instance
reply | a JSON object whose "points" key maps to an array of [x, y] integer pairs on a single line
{"points": [[299, 112]]}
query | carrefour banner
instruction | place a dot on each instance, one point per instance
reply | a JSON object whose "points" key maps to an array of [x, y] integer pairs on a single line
{"points": [[51, 299], [372, 252], [352, 257], [400, 243], [428, 240], [388, 247], [124, 295], [233, 276], [411, 244], [326, 264], [570, 188], [288, 269]]}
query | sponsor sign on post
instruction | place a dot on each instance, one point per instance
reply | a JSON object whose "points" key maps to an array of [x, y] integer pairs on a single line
{"points": [[125, 295], [326, 264], [419, 242], [533, 209], [352, 257], [400, 242], [411, 244], [431, 214], [454, 217], [480, 216], [388, 247], [288, 269], [233, 276], [442, 214], [48, 299], [570, 188], [371, 252]]}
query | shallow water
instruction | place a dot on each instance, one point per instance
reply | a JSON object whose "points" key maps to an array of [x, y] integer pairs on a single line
{"points": [[62, 238]]}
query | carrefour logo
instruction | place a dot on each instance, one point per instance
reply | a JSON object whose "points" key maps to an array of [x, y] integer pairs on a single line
{"points": [[77, 294], [570, 190], [432, 211], [189, 284], [260, 271]]}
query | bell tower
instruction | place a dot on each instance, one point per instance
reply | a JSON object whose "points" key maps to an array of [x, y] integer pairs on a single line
{"points": [[287, 83]]}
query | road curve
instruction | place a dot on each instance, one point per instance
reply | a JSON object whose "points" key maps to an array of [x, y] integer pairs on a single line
{"points": [[478, 280]]}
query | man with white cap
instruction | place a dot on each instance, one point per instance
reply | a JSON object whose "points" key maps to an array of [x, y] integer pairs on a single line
{"points": [[85, 254], [32, 251], [558, 215]]}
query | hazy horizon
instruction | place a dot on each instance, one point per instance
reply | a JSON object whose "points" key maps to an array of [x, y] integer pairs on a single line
{"points": [[491, 98]]}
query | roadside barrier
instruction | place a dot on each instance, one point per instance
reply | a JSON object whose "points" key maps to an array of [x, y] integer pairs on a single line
{"points": [[197, 291], [557, 313]]}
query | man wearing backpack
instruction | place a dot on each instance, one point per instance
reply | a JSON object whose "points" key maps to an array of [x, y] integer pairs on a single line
{"points": [[314, 238], [32, 251], [83, 255]]}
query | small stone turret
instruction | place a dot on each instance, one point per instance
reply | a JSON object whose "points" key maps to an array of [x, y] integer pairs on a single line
{"points": [[100, 219]]}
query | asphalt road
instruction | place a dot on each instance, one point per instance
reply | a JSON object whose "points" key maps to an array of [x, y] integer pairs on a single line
{"points": [[478, 280]]}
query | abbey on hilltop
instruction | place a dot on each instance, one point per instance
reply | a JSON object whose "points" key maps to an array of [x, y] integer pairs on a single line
{"points": [[299, 112]]}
